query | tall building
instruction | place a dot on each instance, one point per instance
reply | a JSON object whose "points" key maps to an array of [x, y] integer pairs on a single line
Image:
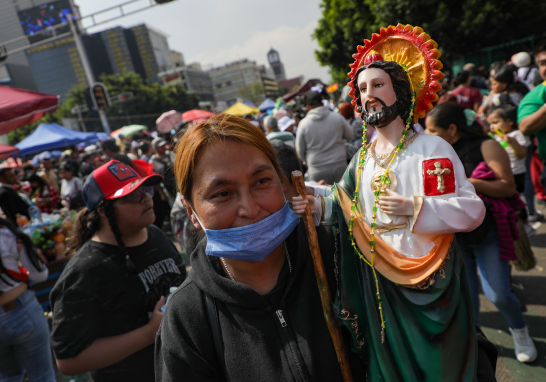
{"points": [[193, 80], [230, 79], [56, 66], [276, 65], [117, 51], [15, 70], [176, 59], [142, 52], [271, 88]]}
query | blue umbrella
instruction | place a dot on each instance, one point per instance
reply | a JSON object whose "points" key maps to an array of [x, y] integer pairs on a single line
{"points": [[267, 104]]}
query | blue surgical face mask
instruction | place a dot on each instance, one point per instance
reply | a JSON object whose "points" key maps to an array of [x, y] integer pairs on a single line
{"points": [[252, 242]]}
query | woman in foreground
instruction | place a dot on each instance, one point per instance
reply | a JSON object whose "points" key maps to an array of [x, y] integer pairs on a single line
{"points": [[250, 309]]}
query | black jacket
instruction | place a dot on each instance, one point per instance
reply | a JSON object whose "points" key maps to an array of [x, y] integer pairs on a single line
{"points": [[257, 345], [12, 204]]}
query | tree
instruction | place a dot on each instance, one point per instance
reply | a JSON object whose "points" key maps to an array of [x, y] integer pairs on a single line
{"points": [[253, 93], [149, 102], [458, 26]]}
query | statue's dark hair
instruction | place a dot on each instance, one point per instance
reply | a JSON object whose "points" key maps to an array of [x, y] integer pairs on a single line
{"points": [[400, 85]]}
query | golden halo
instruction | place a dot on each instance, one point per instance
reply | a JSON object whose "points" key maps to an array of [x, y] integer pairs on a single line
{"points": [[412, 47]]}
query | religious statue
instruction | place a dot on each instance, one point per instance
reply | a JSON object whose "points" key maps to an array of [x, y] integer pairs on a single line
{"points": [[402, 288]]}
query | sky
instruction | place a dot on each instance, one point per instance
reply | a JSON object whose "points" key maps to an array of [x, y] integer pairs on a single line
{"points": [[215, 32]]}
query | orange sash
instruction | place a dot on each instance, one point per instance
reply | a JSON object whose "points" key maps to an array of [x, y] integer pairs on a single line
{"points": [[393, 265]]}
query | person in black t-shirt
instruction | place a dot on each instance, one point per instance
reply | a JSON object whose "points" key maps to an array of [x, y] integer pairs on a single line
{"points": [[107, 303], [10, 202]]}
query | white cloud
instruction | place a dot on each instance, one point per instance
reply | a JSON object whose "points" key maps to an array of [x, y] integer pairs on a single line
{"points": [[294, 44], [219, 31]]}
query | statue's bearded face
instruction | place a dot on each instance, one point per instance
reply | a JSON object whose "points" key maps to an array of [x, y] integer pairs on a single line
{"points": [[379, 106]]}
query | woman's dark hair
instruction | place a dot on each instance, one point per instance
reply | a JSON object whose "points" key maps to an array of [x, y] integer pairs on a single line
{"points": [[507, 113], [450, 113], [87, 223], [66, 166], [33, 178], [400, 85], [29, 247], [506, 74], [462, 76]]}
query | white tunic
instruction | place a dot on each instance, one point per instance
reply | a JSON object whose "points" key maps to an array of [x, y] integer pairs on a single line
{"points": [[458, 211]]}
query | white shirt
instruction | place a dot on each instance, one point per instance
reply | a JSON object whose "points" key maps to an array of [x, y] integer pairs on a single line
{"points": [[11, 257], [458, 211], [71, 188], [517, 164]]}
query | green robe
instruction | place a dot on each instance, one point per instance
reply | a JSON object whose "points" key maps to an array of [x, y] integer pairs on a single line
{"points": [[430, 333]]}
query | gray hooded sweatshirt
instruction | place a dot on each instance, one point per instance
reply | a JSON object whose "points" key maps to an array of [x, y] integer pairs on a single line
{"points": [[319, 141]]}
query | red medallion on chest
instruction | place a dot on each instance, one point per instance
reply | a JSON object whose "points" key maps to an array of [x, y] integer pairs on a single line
{"points": [[438, 177]]}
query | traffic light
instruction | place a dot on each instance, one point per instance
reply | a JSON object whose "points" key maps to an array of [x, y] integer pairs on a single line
{"points": [[99, 96], [126, 96]]}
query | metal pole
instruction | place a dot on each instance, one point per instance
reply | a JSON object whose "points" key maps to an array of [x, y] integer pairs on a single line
{"points": [[87, 69], [81, 120]]}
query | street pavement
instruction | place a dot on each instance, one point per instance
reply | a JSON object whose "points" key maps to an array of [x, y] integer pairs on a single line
{"points": [[530, 288]]}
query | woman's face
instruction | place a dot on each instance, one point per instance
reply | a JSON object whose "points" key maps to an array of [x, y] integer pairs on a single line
{"points": [[234, 185], [377, 83], [64, 174], [132, 217], [449, 135], [496, 86], [496, 122]]}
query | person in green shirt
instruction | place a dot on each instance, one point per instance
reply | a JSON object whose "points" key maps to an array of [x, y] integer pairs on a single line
{"points": [[532, 109]]}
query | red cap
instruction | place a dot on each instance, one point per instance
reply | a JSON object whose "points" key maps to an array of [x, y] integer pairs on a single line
{"points": [[114, 180]]}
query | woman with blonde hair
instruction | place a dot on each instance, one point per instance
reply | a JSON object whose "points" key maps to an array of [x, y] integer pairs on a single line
{"points": [[250, 309]]}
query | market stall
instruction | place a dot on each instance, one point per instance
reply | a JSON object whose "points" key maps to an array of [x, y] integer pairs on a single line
{"points": [[20, 107], [240, 109], [51, 136]]}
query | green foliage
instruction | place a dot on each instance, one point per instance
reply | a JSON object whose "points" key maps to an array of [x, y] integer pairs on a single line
{"points": [[458, 26], [149, 102], [254, 93]]}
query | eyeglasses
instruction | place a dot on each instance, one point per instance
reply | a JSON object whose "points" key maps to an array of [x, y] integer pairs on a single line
{"points": [[138, 195]]}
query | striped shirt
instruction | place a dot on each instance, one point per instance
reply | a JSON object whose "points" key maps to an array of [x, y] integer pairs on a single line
{"points": [[283, 136]]}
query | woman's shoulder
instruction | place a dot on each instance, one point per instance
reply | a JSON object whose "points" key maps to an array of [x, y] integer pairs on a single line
{"points": [[91, 258]]}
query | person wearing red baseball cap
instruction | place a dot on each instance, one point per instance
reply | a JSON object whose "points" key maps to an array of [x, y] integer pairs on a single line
{"points": [[107, 304]]}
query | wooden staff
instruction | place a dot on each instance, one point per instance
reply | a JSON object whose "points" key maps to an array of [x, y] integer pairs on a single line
{"points": [[333, 326]]}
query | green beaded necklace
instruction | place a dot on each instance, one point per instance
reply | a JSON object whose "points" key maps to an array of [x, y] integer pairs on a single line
{"points": [[383, 179]]}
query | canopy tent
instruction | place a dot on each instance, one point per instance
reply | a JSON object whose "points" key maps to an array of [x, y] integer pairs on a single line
{"points": [[20, 107], [168, 121], [6, 151], [51, 136], [248, 103], [267, 104], [128, 131], [100, 137], [239, 109], [302, 89], [192, 115]]}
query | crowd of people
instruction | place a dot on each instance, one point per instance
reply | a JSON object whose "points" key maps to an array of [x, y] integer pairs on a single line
{"points": [[250, 308]]}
